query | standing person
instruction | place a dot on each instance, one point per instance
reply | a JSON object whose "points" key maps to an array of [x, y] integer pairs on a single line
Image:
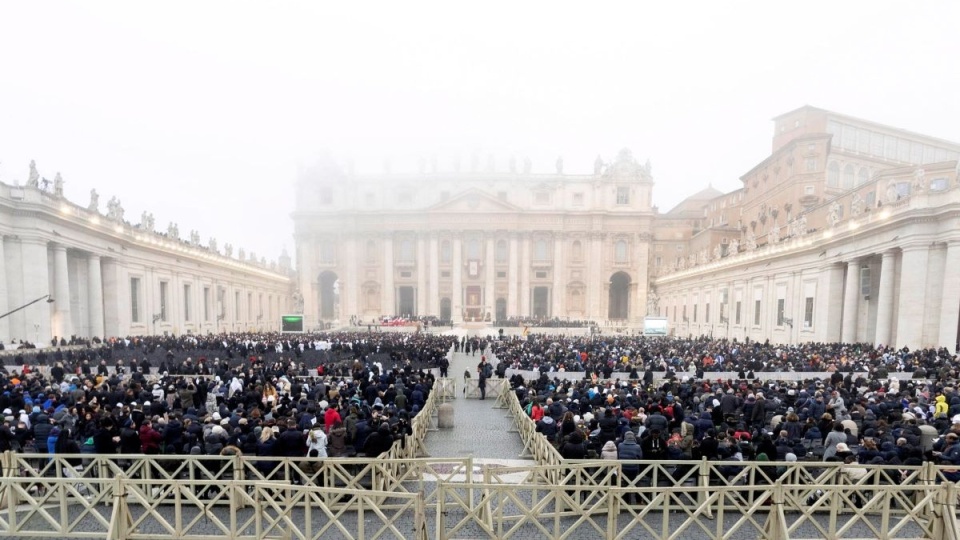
{"points": [[482, 382]]}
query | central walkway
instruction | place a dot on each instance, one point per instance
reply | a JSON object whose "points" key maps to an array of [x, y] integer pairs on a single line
{"points": [[480, 430]]}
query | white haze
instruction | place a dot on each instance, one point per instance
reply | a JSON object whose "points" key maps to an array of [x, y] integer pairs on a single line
{"points": [[200, 112]]}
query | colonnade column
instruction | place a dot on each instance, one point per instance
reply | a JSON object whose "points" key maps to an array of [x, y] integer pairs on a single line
{"points": [[558, 289], [388, 302], [434, 308], [95, 296], [456, 295], [4, 304], [422, 307], [913, 286], [512, 278], [61, 293], [950, 301], [885, 298], [851, 301], [525, 276], [36, 284], [490, 292]]}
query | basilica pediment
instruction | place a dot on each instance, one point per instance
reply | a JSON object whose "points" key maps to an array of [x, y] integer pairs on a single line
{"points": [[473, 200]]}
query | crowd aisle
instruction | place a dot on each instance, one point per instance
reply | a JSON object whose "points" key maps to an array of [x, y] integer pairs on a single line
{"points": [[480, 430]]}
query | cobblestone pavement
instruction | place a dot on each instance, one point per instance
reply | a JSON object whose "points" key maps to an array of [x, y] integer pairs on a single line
{"points": [[480, 430]]}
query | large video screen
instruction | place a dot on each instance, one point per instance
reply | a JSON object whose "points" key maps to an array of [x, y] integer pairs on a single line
{"points": [[655, 326], [291, 323]]}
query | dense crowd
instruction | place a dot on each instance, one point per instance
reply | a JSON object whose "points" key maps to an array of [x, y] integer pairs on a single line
{"points": [[256, 398], [517, 322], [201, 354], [607, 355], [876, 406]]}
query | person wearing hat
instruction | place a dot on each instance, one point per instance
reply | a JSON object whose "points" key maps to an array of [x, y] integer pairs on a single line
{"points": [[629, 450]]}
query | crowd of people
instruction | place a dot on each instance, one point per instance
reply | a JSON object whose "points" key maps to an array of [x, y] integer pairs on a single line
{"points": [[607, 355], [248, 394], [199, 354], [518, 322], [875, 405]]}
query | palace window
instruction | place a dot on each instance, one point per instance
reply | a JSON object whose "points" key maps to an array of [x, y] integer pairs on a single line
{"points": [[502, 253], [811, 164], [848, 172], [445, 251], [406, 251], [833, 174], [623, 195], [577, 250], [186, 303], [473, 248], [620, 251], [808, 312], [206, 303], [756, 313], [578, 199], [135, 300], [541, 250], [328, 252], [163, 301], [780, 309], [326, 196]]}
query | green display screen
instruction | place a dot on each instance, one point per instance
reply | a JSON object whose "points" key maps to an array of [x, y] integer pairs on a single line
{"points": [[291, 323]]}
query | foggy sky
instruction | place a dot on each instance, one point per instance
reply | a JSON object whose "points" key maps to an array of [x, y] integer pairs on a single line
{"points": [[200, 112]]}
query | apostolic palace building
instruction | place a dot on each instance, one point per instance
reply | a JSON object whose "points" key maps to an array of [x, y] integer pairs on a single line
{"points": [[849, 230], [67, 270]]}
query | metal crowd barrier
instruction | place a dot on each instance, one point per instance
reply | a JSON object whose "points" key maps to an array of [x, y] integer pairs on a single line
{"points": [[245, 497], [495, 387]]}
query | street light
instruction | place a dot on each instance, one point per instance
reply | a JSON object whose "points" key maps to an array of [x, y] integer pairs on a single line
{"points": [[28, 304]]}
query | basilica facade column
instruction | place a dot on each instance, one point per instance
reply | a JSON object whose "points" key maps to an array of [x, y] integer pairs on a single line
{"points": [[388, 304], [950, 299], [558, 266], [512, 309], [422, 308], [95, 295], [4, 303], [525, 275], [595, 280], [851, 303], [434, 277], [349, 283], [913, 286], [490, 290], [61, 293], [885, 298], [456, 295]]}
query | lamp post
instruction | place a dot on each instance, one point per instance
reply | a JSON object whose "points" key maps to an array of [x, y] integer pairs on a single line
{"points": [[28, 304], [36, 327]]}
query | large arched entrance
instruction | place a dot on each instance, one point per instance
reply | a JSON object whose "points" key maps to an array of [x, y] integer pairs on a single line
{"points": [[329, 295], [619, 302], [445, 309]]}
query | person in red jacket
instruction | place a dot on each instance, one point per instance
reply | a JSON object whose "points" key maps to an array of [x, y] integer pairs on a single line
{"points": [[149, 438], [330, 416]]}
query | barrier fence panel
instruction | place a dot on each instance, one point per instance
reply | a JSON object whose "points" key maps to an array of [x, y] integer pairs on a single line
{"points": [[141, 498], [494, 388]]}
